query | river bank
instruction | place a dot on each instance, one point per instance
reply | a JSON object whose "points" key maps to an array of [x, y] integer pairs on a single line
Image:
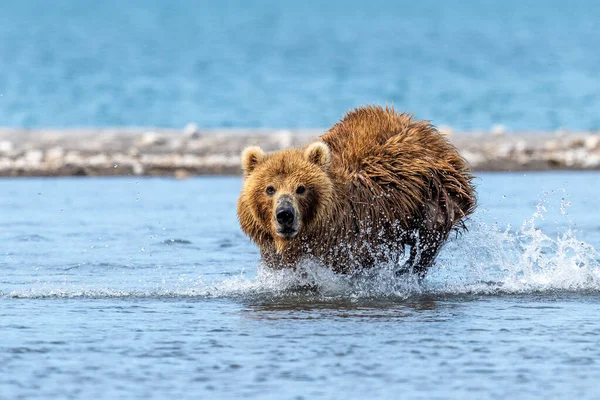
{"points": [[188, 152]]}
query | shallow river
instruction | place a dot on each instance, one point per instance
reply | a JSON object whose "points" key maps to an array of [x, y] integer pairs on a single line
{"points": [[147, 289]]}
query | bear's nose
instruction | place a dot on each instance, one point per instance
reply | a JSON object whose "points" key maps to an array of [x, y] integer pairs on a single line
{"points": [[285, 216]]}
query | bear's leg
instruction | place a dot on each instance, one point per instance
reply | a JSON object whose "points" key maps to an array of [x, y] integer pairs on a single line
{"points": [[425, 247]]}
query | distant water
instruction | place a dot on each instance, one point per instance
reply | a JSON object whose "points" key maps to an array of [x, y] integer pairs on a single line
{"points": [[119, 288], [529, 65]]}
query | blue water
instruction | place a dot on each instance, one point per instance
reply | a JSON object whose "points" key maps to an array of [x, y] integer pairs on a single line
{"points": [[470, 64], [125, 288]]}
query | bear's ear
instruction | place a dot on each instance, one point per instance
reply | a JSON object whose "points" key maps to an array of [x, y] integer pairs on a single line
{"points": [[251, 157], [318, 153]]}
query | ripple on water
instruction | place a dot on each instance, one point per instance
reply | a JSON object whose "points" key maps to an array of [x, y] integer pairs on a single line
{"points": [[172, 242], [31, 238]]}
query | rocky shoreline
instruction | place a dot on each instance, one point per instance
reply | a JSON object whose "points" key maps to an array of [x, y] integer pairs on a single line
{"points": [[188, 152]]}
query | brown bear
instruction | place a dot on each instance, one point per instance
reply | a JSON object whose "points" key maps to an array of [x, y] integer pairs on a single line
{"points": [[374, 183]]}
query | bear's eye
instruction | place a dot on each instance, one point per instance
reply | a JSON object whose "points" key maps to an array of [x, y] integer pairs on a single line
{"points": [[270, 190], [301, 189]]}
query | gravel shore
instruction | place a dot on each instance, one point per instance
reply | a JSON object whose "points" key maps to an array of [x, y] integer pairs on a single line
{"points": [[183, 153]]}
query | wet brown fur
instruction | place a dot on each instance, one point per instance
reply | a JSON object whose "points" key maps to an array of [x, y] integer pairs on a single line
{"points": [[386, 182]]}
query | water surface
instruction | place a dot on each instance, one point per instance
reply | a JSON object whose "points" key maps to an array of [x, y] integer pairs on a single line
{"points": [[530, 65], [147, 288]]}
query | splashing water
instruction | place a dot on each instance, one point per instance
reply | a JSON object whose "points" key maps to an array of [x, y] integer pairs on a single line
{"points": [[488, 259], [525, 261], [529, 259]]}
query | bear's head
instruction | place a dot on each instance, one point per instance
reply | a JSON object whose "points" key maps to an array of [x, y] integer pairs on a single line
{"points": [[284, 193]]}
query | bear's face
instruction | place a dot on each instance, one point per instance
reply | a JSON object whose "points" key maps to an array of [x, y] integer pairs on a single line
{"points": [[285, 192]]}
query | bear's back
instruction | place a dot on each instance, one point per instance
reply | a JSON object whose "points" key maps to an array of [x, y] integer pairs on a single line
{"points": [[374, 131], [391, 164]]}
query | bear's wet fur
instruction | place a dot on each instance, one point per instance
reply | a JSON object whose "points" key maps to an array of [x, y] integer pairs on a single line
{"points": [[376, 182]]}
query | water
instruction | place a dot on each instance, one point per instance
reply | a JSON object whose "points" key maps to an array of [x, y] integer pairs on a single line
{"points": [[530, 65], [114, 287]]}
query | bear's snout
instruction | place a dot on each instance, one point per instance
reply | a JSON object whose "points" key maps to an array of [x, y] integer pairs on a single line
{"points": [[286, 217]]}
